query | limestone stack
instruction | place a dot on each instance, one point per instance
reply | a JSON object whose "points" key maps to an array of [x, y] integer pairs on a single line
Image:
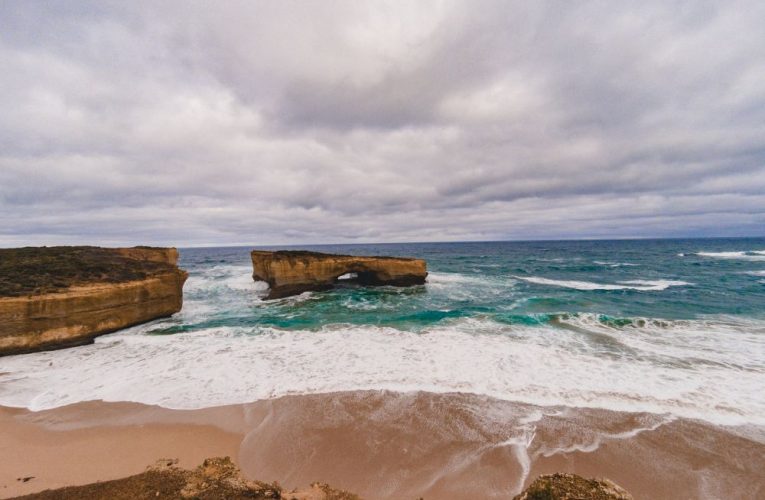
{"points": [[293, 272]]}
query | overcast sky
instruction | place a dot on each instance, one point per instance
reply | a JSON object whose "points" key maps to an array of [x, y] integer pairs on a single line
{"points": [[202, 123]]}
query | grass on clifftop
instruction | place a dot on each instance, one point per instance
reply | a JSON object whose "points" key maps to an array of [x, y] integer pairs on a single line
{"points": [[38, 270]]}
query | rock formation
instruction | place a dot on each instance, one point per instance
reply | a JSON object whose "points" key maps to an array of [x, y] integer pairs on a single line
{"points": [[215, 479], [54, 297], [572, 487], [294, 272]]}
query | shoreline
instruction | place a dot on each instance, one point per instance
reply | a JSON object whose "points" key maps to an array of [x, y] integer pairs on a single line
{"points": [[382, 444]]}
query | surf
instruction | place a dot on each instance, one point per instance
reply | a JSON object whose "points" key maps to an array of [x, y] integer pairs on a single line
{"points": [[576, 360], [640, 285]]}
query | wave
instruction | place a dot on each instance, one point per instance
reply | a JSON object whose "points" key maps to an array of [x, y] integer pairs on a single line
{"points": [[614, 264], [709, 369], [221, 278], [591, 319], [462, 287], [447, 279], [642, 285], [737, 255]]}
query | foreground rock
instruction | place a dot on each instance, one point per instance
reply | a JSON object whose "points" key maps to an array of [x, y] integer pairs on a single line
{"points": [[54, 297], [572, 487], [293, 272], [216, 478]]}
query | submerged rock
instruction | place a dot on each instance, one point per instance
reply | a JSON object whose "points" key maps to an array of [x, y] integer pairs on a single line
{"points": [[572, 487], [216, 478], [293, 272], [54, 297]]}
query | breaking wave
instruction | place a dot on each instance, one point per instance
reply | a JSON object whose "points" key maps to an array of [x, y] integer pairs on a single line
{"points": [[738, 255], [613, 264], [707, 369], [642, 285]]}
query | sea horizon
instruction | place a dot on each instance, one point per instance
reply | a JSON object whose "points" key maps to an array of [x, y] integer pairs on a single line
{"points": [[387, 250]]}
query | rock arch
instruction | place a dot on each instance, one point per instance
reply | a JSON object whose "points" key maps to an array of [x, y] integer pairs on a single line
{"points": [[290, 272]]}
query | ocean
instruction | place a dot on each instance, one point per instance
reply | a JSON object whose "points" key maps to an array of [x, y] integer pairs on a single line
{"points": [[672, 327]]}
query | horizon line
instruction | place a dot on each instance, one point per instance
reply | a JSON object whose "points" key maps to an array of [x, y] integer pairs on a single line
{"points": [[552, 240]]}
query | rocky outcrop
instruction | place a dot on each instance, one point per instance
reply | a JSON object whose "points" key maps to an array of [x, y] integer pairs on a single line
{"points": [[293, 272], [55, 297], [572, 487], [215, 479], [150, 254]]}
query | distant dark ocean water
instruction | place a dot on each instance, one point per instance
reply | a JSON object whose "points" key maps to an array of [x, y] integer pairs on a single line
{"points": [[664, 326]]}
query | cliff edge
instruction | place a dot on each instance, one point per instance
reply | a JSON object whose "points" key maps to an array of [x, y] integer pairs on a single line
{"points": [[217, 478], [55, 297], [293, 272]]}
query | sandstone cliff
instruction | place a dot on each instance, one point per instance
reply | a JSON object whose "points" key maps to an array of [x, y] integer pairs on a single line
{"points": [[293, 272], [54, 297]]}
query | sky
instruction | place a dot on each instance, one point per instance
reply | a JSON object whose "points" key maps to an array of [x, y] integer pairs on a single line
{"points": [[275, 123]]}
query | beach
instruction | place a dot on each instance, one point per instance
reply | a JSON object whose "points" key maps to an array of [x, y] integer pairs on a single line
{"points": [[384, 445]]}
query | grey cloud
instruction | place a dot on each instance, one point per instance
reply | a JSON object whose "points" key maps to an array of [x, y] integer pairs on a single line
{"points": [[280, 122]]}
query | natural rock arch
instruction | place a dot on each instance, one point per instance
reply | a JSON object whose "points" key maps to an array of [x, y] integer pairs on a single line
{"points": [[293, 272]]}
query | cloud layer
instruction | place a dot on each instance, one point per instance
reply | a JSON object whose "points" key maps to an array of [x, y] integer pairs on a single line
{"points": [[192, 123]]}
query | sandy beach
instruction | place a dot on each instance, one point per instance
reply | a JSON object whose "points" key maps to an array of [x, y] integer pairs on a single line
{"points": [[385, 445]]}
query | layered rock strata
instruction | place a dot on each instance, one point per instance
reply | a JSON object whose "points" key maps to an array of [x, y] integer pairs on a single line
{"points": [[293, 272], [55, 297]]}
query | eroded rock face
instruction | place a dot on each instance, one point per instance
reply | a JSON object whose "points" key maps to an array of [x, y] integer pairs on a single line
{"points": [[59, 297], [572, 487], [293, 272]]}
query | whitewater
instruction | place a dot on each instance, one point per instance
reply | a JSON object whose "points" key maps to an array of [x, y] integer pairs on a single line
{"points": [[554, 324]]}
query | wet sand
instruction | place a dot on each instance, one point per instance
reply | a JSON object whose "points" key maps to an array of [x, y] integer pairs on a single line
{"points": [[386, 445], [56, 450]]}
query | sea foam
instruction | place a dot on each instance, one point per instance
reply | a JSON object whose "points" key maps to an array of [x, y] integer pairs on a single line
{"points": [[642, 285], [709, 370], [613, 264], [737, 255]]}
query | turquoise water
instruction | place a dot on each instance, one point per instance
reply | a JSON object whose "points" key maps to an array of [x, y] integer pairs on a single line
{"points": [[675, 327], [514, 282]]}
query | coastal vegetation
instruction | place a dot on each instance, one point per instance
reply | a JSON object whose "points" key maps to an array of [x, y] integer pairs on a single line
{"points": [[39, 270]]}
